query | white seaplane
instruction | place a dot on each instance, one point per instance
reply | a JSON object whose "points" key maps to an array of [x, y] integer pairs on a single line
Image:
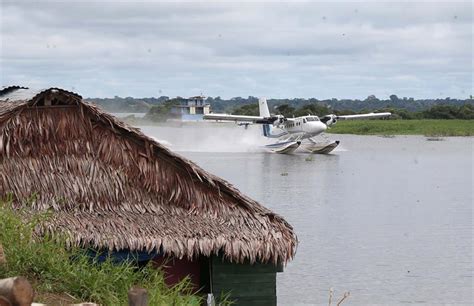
{"points": [[293, 133]]}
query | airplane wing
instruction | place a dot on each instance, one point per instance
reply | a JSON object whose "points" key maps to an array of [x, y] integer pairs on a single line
{"points": [[364, 116], [332, 119], [236, 118]]}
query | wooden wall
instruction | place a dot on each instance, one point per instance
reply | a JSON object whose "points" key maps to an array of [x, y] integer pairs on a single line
{"points": [[247, 284]]}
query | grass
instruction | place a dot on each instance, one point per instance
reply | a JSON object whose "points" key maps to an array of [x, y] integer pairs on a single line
{"points": [[70, 275], [427, 127]]}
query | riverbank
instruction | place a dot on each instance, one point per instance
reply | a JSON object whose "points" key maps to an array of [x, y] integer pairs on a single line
{"points": [[58, 280], [427, 127]]}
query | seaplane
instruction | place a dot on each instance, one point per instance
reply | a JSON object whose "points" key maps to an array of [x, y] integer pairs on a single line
{"points": [[293, 133]]}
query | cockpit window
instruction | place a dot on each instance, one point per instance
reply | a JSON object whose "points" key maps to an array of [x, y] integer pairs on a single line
{"points": [[312, 118]]}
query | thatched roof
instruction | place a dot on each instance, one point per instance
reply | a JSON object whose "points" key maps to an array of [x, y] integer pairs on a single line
{"points": [[110, 186]]}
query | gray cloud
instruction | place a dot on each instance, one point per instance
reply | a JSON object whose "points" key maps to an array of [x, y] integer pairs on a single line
{"points": [[343, 49]]}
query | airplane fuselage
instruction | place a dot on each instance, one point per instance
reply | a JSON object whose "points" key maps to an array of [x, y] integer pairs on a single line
{"points": [[303, 127]]}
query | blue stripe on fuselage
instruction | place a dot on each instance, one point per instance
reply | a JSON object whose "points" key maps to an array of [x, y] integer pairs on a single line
{"points": [[266, 130]]}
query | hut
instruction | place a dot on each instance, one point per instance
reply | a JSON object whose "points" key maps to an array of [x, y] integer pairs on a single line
{"points": [[110, 187]]}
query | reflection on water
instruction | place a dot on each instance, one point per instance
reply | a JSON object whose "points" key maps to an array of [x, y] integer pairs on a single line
{"points": [[388, 219]]}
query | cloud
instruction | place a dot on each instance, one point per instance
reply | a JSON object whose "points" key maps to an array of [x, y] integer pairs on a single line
{"points": [[303, 49]]}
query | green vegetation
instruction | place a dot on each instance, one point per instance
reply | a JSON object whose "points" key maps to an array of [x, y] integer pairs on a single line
{"points": [[429, 122], [427, 127], [465, 111], [128, 104], [219, 105], [162, 111], [247, 110], [305, 110], [55, 271]]}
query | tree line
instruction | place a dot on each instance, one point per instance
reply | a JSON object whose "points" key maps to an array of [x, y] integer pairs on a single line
{"points": [[465, 111], [406, 108]]}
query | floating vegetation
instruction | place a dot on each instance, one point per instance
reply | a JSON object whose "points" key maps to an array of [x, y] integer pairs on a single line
{"points": [[284, 174], [435, 139], [344, 297]]}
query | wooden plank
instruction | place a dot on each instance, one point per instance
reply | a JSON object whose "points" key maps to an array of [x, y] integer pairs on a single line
{"points": [[244, 269], [205, 275], [256, 301], [218, 261], [246, 287], [257, 282], [244, 278], [239, 290], [253, 301], [247, 284], [237, 295]]}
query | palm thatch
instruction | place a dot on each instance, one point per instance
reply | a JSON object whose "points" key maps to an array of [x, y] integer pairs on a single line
{"points": [[109, 186]]}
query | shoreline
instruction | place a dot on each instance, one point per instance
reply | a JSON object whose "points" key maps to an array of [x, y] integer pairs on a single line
{"points": [[421, 127], [399, 127]]}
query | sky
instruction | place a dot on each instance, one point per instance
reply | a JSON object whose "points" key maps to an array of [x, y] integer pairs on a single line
{"points": [[297, 49]]}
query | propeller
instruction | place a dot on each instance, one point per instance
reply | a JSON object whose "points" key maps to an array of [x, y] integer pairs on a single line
{"points": [[280, 120], [270, 120], [329, 119]]}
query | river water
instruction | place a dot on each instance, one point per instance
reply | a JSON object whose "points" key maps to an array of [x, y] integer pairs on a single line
{"points": [[388, 219]]}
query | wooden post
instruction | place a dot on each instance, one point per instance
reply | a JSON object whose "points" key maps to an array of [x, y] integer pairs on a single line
{"points": [[17, 290], [137, 297], [4, 301]]}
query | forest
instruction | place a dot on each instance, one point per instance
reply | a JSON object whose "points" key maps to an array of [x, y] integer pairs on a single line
{"points": [[402, 108]]}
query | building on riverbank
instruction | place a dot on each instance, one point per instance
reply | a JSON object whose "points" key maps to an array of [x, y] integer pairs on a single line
{"points": [[190, 109], [112, 189]]}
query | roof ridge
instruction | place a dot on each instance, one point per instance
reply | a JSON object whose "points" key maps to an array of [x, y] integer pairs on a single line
{"points": [[7, 89]]}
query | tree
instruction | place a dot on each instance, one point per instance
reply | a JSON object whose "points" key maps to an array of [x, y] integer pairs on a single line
{"points": [[247, 110], [442, 112], [286, 110], [163, 111], [466, 112], [312, 109], [371, 98]]}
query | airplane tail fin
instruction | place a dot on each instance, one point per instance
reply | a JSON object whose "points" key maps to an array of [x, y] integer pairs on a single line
{"points": [[264, 112], [268, 129], [263, 107]]}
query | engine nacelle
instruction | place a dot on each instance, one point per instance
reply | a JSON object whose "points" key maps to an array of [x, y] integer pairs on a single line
{"points": [[329, 120], [332, 121], [280, 120]]}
